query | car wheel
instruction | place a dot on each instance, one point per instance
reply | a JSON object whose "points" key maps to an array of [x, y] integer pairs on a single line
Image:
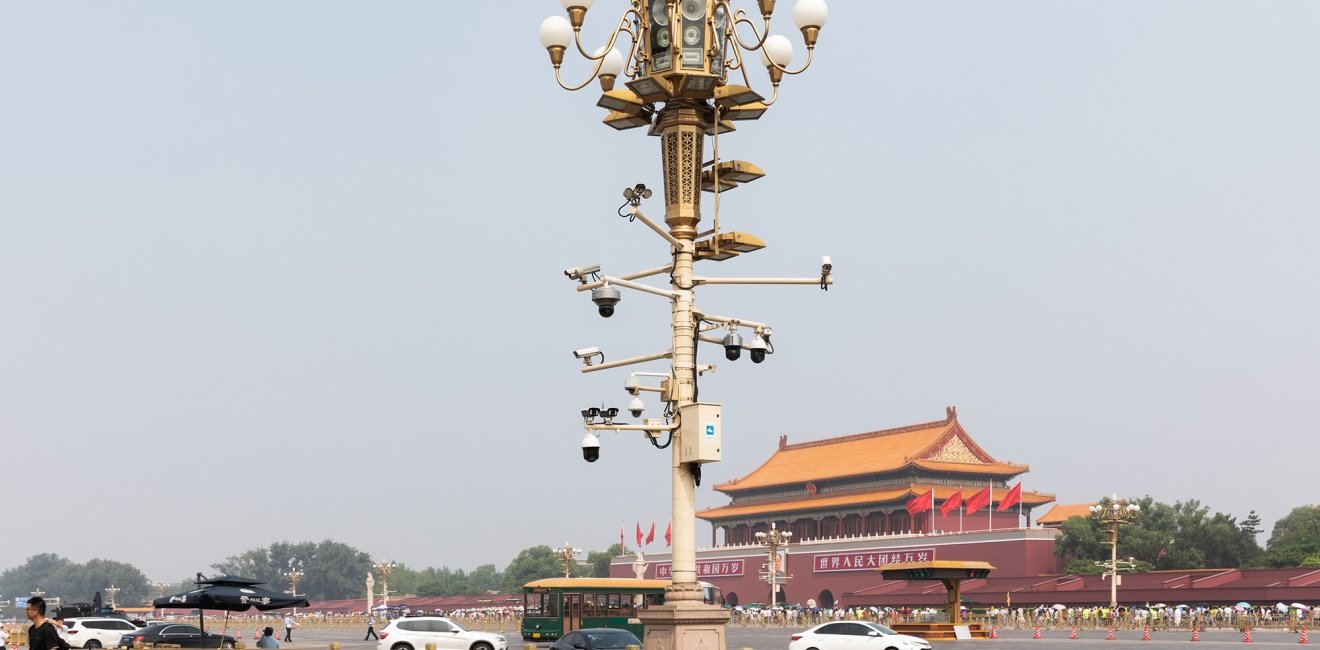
{"points": [[401, 646], [227, 644], [93, 644], [482, 645]]}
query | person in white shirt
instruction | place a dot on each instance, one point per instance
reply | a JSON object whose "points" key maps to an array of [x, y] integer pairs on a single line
{"points": [[288, 627]]}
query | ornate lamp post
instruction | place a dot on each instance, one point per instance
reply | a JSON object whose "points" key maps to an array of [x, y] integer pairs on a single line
{"points": [[772, 540], [678, 65], [294, 574], [384, 568], [111, 592], [567, 556], [1113, 514]]}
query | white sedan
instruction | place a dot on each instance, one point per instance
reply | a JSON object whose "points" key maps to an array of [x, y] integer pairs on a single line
{"points": [[415, 632], [854, 635]]}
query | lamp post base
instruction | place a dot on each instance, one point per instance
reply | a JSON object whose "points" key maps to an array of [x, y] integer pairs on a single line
{"points": [[684, 625]]}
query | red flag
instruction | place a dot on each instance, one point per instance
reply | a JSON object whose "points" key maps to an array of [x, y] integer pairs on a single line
{"points": [[639, 534], [979, 500], [650, 537], [921, 502], [951, 503], [668, 531], [1011, 499]]}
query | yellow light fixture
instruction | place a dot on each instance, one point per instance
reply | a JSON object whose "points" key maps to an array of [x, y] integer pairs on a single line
{"points": [[624, 121], [740, 171], [733, 95], [622, 101], [748, 111], [651, 89], [731, 244]]}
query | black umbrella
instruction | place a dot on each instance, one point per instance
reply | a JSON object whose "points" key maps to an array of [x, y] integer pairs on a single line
{"points": [[231, 594]]}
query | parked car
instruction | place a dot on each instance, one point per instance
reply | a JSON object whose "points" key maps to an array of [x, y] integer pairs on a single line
{"points": [[597, 638], [182, 634], [414, 632], [854, 635], [97, 631]]}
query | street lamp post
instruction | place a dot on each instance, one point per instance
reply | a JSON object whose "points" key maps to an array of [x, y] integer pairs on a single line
{"points": [[111, 592], [294, 575], [567, 556], [385, 567], [772, 540], [1113, 514], [678, 84]]}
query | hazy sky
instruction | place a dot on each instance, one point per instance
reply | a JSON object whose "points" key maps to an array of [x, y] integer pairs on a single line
{"points": [[292, 271]]}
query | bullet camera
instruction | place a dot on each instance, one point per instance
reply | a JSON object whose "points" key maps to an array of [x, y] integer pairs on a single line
{"points": [[581, 273], [587, 354], [606, 298], [590, 447], [732, 346]]}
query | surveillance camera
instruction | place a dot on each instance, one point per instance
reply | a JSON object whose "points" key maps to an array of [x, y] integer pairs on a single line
{"points": [[581, 273], [825, 265], [606, 298], [586, 353], [758, 347], [636, 406], [732, 346], [590, 447]]}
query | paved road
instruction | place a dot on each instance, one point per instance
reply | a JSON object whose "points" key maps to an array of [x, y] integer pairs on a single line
{"points": [[776, 638]]}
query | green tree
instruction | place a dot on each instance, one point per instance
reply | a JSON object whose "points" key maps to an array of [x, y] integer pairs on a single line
{"points": [[36, 573], [80, 582], [330, 569], [1184, 535], [531, 564], [599, 561], [485, 579], [1295, 538]]}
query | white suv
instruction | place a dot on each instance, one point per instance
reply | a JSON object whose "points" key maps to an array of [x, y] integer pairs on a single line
{"points": [[414, 632], [95, 632]]}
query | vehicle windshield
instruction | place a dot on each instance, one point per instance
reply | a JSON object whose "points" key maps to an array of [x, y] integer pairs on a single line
{"points": [[612, 639], [883, 629]]}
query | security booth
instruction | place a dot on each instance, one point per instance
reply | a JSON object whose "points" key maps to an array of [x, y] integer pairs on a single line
{"points": [[949, 572]]}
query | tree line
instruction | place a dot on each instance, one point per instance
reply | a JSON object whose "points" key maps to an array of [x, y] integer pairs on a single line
{"points": [[329, 570], [1186, 535]]}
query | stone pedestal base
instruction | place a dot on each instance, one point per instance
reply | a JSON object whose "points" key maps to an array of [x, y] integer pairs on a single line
{"points": [[684, 625]]}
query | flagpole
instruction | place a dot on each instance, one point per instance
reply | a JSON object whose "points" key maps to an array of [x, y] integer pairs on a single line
{"points": [[1020, 504], [932, 509], [961, 507], [990, 506]]}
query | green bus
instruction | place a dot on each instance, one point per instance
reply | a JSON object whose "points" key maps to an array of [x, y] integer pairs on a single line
{"points": [[554, 607]]}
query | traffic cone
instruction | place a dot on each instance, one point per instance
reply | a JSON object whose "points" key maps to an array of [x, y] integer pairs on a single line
{"points": [[1109, 635], [1073, 634], [1145, 633], [1246, 635], [994, 632], [1037, 634], [1196, 636], [256, 635], [1303, 639]]}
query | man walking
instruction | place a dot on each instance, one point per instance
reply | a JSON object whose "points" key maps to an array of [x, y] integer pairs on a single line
{"points": [[42, 634], [288, 627], [371, 629]]}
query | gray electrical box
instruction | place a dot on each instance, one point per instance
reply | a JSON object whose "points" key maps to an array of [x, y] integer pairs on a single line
{"points": [[699, 433]]}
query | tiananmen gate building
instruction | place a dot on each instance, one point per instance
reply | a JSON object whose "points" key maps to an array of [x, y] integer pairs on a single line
{"points": [[857, 503]]}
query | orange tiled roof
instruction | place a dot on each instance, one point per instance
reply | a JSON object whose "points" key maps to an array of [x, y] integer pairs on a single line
{"points": [[940, 446], [1061, 513], [817, 502]]}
